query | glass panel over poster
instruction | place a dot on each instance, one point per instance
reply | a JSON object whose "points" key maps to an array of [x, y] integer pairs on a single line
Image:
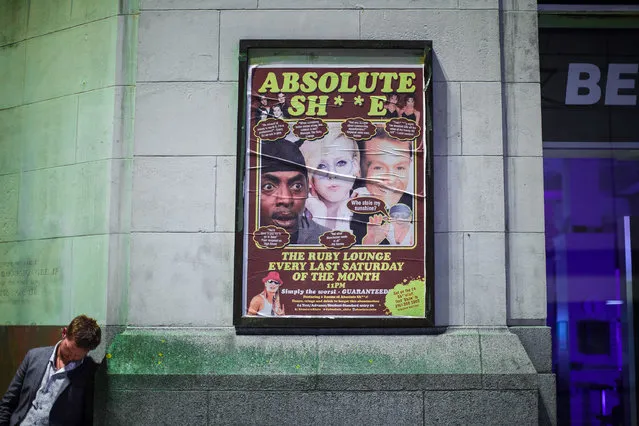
{"points": [[335, 209]]}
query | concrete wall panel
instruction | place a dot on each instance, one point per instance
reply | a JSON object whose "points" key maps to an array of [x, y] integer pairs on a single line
{"points": [[357, 4], [527, 276], [169, 53], [186, 119], [478, 4], [480, 408], [47, 16], [197, 4], [96, 125], [64, 201], [523, 115], [318, 407], [43, 296], [10, 142], [12, 67], [447, 118], [225, 187], [10, 196], [74, 60], [481, 119], [181, 279], [525, 194], [157, 407], [521, 46], [469, 194], [465, 43], [90, 265], [48, 133], [449, 278], [276, 24], [161, 201], [484, 278], [13, 21]]}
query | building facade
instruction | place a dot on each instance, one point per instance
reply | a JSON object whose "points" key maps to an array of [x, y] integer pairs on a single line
{"points": [[118, 161]]}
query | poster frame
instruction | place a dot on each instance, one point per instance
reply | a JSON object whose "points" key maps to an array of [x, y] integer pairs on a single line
{"points": [[286, 325]]}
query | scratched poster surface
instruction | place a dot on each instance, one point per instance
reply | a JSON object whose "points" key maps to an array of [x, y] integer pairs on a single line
{"points": [[335, 192]]}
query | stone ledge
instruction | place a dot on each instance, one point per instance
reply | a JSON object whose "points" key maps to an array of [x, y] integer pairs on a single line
{"points": [[537, 341], [257, 407], [218, 359]]}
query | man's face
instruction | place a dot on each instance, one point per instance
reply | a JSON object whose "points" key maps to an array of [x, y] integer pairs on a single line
{"points": [[387, 163], [272, 285], [282, 199], [281, 98], [69, 351]]}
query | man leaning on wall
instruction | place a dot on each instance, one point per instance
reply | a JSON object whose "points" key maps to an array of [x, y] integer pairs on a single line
{"points": [[54, 384]]}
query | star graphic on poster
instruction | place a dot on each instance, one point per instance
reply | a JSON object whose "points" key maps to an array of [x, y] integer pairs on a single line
{"points": [[338, 100], [358, 101]]}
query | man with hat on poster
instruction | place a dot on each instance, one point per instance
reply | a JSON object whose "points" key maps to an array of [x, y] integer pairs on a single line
{"points": [[267, 303], [284, 190]]}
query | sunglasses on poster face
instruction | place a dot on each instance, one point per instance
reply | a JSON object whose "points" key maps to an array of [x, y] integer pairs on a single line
{"points": [[273, 282]]}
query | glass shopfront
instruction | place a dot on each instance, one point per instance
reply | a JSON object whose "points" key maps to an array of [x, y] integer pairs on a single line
{"points": [[591, 174]]}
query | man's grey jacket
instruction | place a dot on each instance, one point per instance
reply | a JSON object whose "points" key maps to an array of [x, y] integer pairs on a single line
{"points": [[74, 406]]}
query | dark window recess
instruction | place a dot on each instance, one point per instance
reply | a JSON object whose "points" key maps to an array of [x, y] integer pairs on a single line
{"points": [[593, 337]]}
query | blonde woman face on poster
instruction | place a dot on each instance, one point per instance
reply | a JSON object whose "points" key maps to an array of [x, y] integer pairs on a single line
{"points": [[333, 165]]}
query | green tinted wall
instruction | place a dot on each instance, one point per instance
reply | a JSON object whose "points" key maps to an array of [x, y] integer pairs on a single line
{"points": [[65, 124]]}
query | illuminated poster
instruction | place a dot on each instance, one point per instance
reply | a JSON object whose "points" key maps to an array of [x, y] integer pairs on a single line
{"points": [[334, 192]]}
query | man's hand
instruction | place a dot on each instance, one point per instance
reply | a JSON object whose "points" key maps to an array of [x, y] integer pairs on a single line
{"points": [[377, 229]]}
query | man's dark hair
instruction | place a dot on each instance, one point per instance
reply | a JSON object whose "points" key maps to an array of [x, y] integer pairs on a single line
{"points": [[85, 332], [282, 156]]}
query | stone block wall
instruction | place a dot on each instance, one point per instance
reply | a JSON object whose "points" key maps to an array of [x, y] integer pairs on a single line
{"points": [[488, 171], [212, 376], [181, 359]]}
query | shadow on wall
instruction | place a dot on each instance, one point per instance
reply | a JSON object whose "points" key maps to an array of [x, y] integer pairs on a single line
{"points": [[443, 257]]}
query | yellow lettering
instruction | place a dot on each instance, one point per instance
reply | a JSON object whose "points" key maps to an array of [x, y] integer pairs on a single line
{"points": [[315, 107], [406, 82], [363, 76], [297, 105], [309, 85], [387, 78], [291, 82], [377, 106], [323, 84], [270, 83], [343, 88]]}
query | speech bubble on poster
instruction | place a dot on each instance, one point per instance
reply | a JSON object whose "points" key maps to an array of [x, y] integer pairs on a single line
{"points": [[271, 129], [358, 129], [366, 205], [407, 299], [337, 239], [402, 129], [310, 129], [271, 237]]}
